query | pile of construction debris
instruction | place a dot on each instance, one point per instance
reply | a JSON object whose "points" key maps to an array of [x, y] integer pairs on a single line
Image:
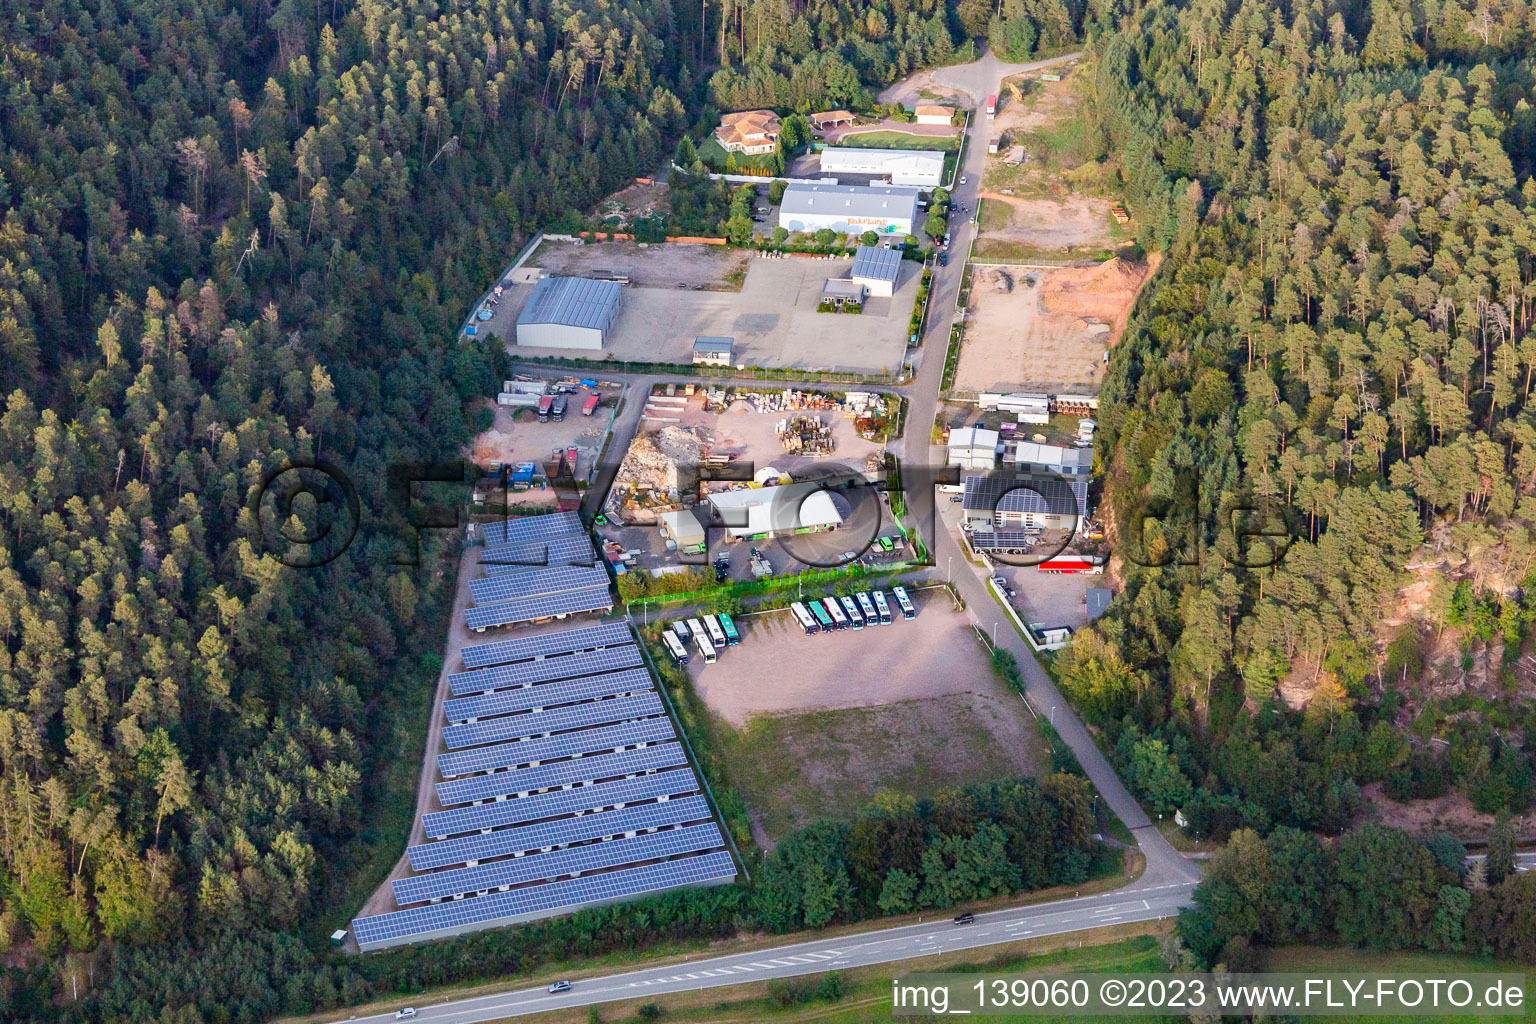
{"points": [[805, 435], [659, 466]]}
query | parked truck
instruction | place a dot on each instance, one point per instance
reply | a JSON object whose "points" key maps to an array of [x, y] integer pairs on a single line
{"points": [[544, 406]]}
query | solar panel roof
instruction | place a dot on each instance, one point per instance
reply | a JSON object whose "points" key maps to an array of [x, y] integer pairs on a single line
{"points": [[571, 549], [876, 262], [561, 773], [555, 580], [528, 809], [566, 691], [518, 752], [585, 638], [439, 919], [536, 723], [1025, 493], [549, 866], [531, 528], [580, 829], [997, 540], [541, 606], [543, 670]]}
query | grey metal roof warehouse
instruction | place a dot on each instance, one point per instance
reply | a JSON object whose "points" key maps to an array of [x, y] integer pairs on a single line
{"points": [[706, 343], [849, 201], [572, 302], [876, 262]]}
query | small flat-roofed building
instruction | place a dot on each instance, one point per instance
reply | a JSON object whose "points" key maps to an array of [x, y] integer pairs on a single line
{"points": [[831, 119], [840, 291], [920, 168], [711, 351], [876, 268], [850, 208], [973, 447], [1022, 407], [684, 528], [933, 113], [569, 312]]}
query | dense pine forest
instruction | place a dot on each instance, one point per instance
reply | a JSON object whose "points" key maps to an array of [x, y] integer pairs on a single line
{"points": [[1339, 341]]}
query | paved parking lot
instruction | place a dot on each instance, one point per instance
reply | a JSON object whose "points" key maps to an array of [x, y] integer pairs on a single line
{"points": [[773, 318]]}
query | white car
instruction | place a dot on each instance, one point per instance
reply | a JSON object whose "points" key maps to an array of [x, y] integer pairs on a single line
{"points": [[962, 179], [405, 1014], [559, 986]]}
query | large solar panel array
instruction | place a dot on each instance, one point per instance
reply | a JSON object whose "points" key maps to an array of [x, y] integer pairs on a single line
{"points": [[566, 691], [534, 587], [502, 756], [542, 645], [570, 767], [571, 549], [540, 606], [580, 829], [554, 580], [527, 673], [576, 860], [537, 723], [499, 785], [527, 809], [1002, 540], [531, 528], [437, 920]]}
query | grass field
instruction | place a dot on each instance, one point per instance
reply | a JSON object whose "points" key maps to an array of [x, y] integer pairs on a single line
{"points": [[899, 140], [792, 769], [714, 156]]}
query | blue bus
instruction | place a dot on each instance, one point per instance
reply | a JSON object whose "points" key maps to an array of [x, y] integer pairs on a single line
{"points": [[732, 638], [822, 618]]}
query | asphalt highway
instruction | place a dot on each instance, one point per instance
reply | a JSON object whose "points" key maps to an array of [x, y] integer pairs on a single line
{"points": [[1138, 902]]}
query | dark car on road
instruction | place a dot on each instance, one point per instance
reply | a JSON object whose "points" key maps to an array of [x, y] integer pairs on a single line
{"points": [[966, 918]]}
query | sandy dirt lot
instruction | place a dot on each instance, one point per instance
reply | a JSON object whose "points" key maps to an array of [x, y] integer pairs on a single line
{"points": [[773, 317], [912, 707], [1046, 330], [653, 266], [1049, 223], [748, 434], [920, 88], [514, 438]]}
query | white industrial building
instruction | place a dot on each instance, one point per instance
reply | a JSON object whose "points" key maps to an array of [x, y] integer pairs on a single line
{"points": [[923, 168], [569, 312], [850, 208], [1025, 407], [713, 351], [973, 447], [761, 512], [876, 269]]}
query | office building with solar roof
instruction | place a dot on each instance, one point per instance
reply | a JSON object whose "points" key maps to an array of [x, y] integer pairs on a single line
{"points": [[569, 312], [563, 785]]}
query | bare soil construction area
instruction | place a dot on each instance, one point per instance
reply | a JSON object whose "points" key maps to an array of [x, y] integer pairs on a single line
{"points": [[1047, 224], [672, 265], [817, 725], [1046, 330]]}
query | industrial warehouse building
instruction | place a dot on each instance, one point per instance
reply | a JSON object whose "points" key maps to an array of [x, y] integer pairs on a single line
{"points": [[851, 208], [922, 168], [876, 269], [569, 312], [997, 505], [762, 512]]}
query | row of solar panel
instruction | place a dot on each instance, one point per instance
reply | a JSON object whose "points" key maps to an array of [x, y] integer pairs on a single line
{"points": [[554, 580], [529, 809], [506, 702], [540, 606], [586, 638], [573, 549], [530, 528], [499, 785], [537, 723], [546, 835], [437, 919], [502, 756], [541, 867], [543, 670]]}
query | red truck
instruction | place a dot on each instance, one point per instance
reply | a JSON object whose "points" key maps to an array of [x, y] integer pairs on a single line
{"points": [[545, 404]]}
